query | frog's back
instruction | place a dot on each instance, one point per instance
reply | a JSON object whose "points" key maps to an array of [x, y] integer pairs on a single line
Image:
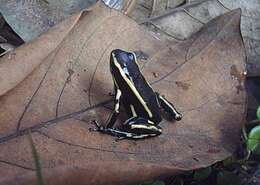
{"points": [[135, 89], [144, 100], [149, 97]]}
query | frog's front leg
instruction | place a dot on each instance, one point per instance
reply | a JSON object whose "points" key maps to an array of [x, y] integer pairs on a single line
{"points": [[113, 118], [168, 107], [115, 114]]}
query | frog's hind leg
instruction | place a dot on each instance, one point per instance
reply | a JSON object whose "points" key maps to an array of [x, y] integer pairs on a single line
{"points": [[109, 127], [141, 128], [111, 131], [168, 107], [133, 128]]}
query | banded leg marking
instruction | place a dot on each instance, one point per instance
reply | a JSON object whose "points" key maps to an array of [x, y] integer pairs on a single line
{"points": [[168, 107], [116, 109]]}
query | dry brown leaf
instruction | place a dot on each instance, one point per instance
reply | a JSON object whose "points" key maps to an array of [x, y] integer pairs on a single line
{"points": [[34, 17], [181, 22], [159, 6], [202, 76], [18, 64]]}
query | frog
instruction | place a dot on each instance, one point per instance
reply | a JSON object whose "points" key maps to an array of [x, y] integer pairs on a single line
{"points": [[143, 105]]}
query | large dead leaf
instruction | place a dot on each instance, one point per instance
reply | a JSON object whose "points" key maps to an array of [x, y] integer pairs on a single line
{"points": [[201, 76]]}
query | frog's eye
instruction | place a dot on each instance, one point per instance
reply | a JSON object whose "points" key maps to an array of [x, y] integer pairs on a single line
{"points": [[131, 56]]}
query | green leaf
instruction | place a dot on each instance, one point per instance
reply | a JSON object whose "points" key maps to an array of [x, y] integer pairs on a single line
{"points": [[202, 174], [253, 141], [36, 158], [227, 178], [258, 113]]}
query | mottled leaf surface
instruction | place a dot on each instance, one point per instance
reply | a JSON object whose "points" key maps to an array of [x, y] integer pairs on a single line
{"points": [[184, 21], [33, 17], [202, 76]]}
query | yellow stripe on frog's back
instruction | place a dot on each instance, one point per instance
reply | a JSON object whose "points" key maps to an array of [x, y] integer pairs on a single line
{"points": [[132, 87]]}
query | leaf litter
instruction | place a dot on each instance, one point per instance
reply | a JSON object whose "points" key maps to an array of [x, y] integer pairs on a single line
{"points": [[58, 111]]}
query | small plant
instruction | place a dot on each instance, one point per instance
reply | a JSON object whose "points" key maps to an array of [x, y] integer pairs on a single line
{"points": [[258, 113], [253, 138], [36, 158], [231, 170]]}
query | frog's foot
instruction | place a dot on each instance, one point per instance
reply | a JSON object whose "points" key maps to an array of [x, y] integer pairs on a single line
{"points": [[98, 128]]}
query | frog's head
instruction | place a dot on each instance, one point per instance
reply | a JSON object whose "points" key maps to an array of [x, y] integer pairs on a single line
{"points": [[123, 63], [125, 59]]}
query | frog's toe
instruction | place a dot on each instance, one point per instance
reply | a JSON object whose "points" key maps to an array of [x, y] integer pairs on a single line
{"points": [[92, 130], [178, 117], [98, 129], [119, 138]]}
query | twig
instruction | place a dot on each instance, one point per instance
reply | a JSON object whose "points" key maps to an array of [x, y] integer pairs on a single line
{"points": [[181, 8], [196, 19], [166, 33]]}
